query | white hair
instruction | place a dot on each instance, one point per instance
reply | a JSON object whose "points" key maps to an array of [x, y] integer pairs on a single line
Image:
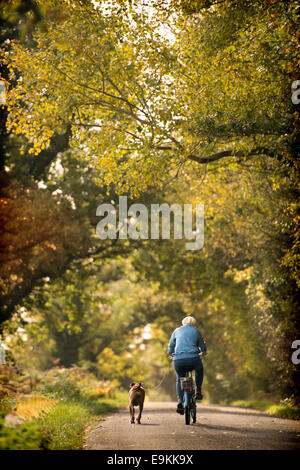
{"points": [[189, 321]]}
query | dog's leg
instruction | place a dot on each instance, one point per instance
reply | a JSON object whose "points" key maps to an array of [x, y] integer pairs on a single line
{"points": [[131, 410], [140, 414]]}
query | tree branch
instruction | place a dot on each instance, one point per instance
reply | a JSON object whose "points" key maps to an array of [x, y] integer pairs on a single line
{"points": [[230, 153]]}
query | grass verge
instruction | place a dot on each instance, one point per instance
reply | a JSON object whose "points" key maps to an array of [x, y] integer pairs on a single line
{"points": [[271, 408], [64, 425], [60, 425]]}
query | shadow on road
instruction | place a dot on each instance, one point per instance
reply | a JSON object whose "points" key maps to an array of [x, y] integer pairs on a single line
{"points": [[203, 410], [145, 424], [207, 409], [251, 432], [232, 411], [154, 410], [218, 428]]}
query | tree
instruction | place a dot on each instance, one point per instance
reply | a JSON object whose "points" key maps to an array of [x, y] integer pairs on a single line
{"points": [[48, 204], [244, 299], [92, 313], [195, 97], [142, 103]]}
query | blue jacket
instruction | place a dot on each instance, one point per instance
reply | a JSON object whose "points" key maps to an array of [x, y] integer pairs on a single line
{"points": [[186, 341]]}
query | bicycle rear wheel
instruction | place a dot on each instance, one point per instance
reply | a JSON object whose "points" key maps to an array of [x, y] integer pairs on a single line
{"points": [[187, 413], [187, 408], [194, 412]]}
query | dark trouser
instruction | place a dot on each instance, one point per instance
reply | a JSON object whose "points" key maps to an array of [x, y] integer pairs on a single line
{"points": [[182, 366]]}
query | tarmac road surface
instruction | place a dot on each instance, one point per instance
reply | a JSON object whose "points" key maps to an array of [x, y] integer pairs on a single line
{"points": [[218, 427]]}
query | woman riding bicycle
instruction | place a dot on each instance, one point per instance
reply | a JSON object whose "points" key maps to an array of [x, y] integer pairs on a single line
{"points": [[186, 343]]}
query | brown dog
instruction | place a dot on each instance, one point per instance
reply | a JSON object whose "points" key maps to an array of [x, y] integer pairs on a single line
{"points": [[136, 398]]}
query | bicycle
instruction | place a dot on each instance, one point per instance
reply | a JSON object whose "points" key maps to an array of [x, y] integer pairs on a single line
{"points": [[189, 401]]}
